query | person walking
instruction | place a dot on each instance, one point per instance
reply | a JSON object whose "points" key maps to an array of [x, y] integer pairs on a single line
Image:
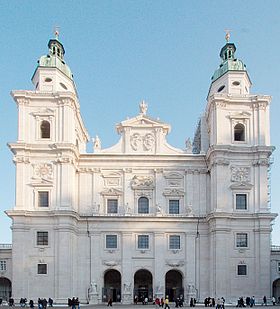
{"points": [[264, 301], [110, 302], [166, 303]]}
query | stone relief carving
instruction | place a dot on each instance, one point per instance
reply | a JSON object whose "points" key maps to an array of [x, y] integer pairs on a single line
{"points": [[111, 191], [111, 263], [142, 182], [173, 192], [174, 182], [148, 141], [135, 141], [261, 162], [43, 171], [240, 174], [140, 142], [175, 263]]}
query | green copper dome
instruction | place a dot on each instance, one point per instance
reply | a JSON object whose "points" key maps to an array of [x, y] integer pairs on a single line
{"points": [[55, 58], [229, 62]]}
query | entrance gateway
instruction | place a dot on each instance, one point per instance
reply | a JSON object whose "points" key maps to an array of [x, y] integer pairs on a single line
{"points": [[5, 288], [143, 286]]}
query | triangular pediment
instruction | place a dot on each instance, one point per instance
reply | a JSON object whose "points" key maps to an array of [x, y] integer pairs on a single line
{"points": [[142, 121]]}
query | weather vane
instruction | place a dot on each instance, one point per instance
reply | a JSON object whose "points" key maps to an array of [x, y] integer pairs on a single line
{"points": [[56, 32], [227, 35]]}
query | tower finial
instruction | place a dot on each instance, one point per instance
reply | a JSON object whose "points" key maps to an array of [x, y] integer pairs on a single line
{"points": [[56, 32]]}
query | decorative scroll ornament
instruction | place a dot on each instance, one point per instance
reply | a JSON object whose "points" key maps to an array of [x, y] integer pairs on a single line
{"points": [[139, 182], [240, 174], [43, 171]]}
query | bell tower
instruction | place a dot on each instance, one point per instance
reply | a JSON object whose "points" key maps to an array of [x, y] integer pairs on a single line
{"points": [[52, 73], [238, 159]]}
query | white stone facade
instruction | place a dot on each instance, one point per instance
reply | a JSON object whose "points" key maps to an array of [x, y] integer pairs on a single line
{"points": [[142, 217]]}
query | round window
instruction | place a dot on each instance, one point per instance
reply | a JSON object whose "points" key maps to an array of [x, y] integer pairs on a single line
{"points": [[236, 83], [221, 88], [63, 86], [48, 80]]}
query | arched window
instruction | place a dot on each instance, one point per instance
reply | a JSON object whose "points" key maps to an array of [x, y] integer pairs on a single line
{"points": [[239, 133], [45, 129], [143, 205]]}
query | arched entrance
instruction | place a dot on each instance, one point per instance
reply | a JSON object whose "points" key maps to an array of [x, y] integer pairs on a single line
{"points": [[143, 285], [174, 285], [112, 286], [276, 289], [5, 288]]}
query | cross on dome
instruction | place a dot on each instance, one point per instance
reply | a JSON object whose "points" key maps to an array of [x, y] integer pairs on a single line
{"points": [[56, 32]]}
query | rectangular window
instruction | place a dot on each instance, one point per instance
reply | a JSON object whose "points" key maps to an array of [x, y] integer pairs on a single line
{"points": [[174, 207], [279, 267], [241, 201], [43, 198], [42, 238], [143, 241], [112, 206], [174, 242], [111, 241], [242, 270], [3, 265], [42, 269], [241, 240]]}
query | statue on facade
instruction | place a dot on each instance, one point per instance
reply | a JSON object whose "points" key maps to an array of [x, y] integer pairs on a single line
{"points": [[191, 290], [93, 288], [158, 288], [143, 107], [96, 144], [127, 287], [189, 145]]}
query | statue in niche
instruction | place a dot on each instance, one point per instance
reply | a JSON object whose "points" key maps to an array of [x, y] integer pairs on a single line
{"points": [[189, 210], [159, 210], [128, 209], [96, 144]]}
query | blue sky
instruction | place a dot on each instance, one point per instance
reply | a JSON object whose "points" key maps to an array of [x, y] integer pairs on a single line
{"points": [[122, 52]]}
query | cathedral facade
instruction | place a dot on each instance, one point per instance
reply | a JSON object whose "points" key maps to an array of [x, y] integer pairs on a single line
{"points": [[142, 218]]}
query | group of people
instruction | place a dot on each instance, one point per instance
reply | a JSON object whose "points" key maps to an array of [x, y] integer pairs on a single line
{"points": [[42, 303], [74, 303], [249, 301]]}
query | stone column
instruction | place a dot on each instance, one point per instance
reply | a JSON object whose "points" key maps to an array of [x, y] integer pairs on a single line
{"points": [[159, 279], [127, 279], [95, 294]]}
